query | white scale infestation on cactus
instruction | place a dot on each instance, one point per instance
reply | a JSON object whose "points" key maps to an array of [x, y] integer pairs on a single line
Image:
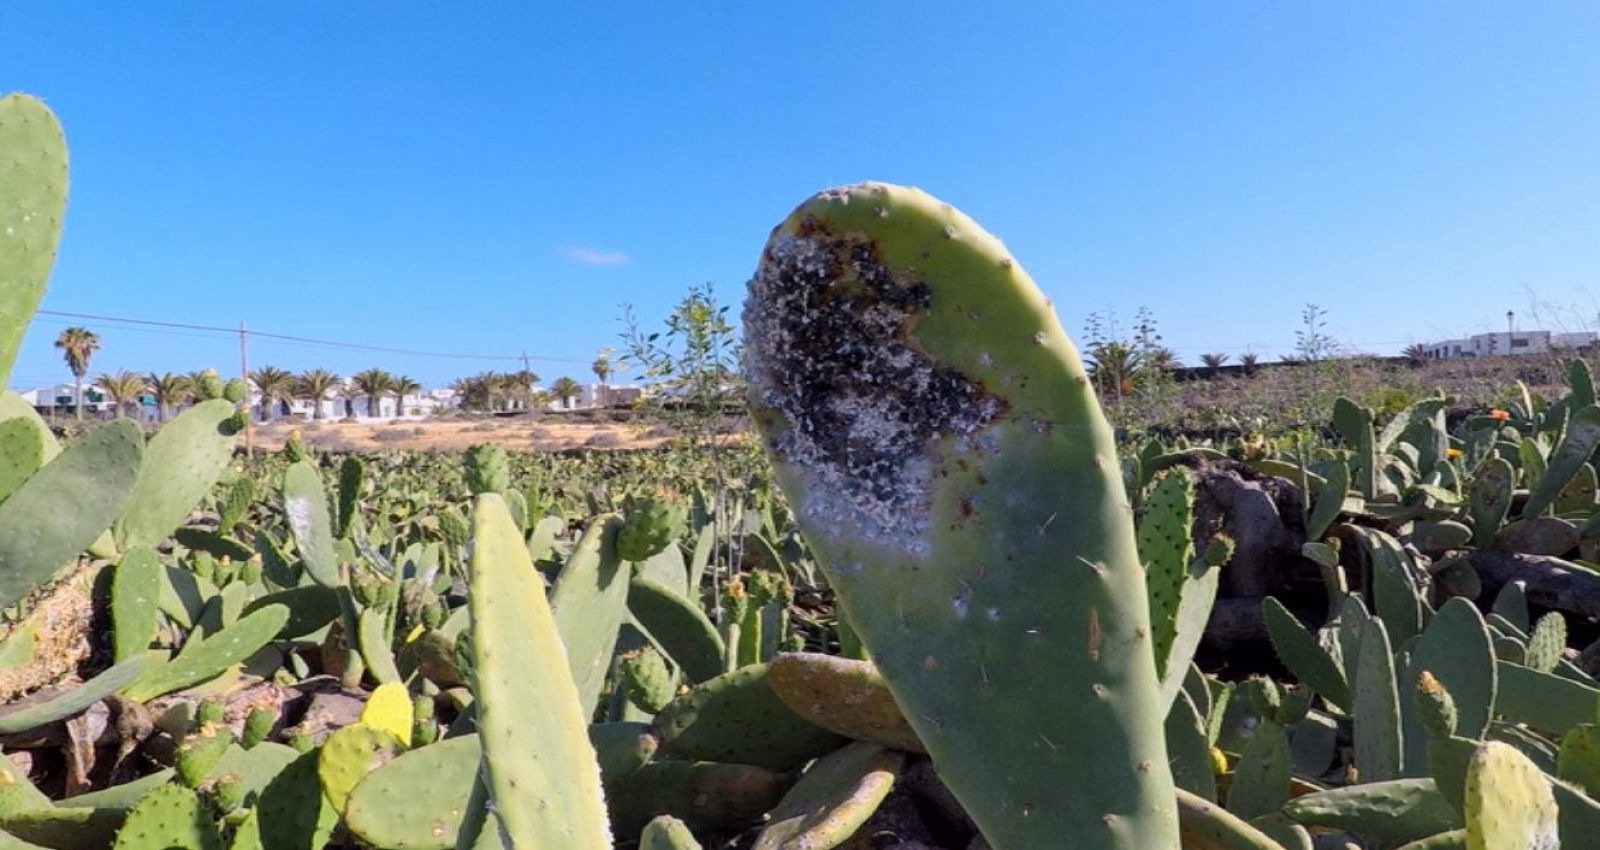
{"points": [[828, 348]]}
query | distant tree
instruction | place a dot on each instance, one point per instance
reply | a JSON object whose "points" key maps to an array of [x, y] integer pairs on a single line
{"points": [[602, 371], [169, 390], [315, 386], [1162, 357], [374, 384], [404, 385], [1249, 360], [1417, 353], [123, 388], [517, 387], [275, 386], [77, 346], [565, 390], [1114, 367], [1213, 362]]}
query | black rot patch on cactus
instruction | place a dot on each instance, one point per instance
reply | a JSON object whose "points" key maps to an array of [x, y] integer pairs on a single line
{"points": [[829, 353]]}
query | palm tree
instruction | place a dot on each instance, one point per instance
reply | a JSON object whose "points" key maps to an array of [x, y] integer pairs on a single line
{"points": [[1213, 362], [169, 389], [1417, 353], [471, 392], [1248, 360], [403, 386], [565, 389], [519, 385], [315, 386], [1113, 369], [78, 345], [374, 384], [1162, 357], [275, 387], [122, 388], [602, 370]]}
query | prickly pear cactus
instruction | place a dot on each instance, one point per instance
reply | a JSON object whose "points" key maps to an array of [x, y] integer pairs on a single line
{"points": [[1509, 802], [938, 437], [33, 198], [650, 523]]}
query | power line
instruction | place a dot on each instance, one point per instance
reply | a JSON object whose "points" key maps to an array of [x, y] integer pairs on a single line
{"points": [[311, 341]]}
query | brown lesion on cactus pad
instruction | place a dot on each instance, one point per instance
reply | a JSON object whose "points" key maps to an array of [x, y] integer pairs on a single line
{"points": [[855, 404]]}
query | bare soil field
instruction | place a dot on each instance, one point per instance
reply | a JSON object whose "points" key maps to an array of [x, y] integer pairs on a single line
{"points": [[457, 434]]}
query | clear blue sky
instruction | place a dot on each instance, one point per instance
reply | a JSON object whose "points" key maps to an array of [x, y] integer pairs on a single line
{"points": [[494, 178]]}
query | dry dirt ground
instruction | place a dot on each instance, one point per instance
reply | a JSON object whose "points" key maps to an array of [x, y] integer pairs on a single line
{"points": [[457, 434]]}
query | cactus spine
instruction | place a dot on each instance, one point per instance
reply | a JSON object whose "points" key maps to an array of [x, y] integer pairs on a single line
{"points": [[936, 432]]}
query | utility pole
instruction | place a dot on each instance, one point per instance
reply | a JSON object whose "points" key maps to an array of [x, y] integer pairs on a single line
{"points": [[244, 375], [527, 373]]}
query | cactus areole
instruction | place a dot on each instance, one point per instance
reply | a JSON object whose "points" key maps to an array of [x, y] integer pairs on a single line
{"points": [[936, 433]]}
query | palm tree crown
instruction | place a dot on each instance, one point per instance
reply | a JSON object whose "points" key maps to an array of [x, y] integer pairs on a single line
{"points": [[402, 386], [275, 386], [374, 384], [315, 386], [77, 346], [123, 387], [566, 390], [169, 389]]}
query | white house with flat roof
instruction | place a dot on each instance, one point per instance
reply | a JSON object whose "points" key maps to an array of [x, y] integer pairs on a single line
{"points": [[1507, 342]]}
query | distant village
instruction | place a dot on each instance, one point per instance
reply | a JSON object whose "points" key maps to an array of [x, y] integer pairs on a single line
{"points": [[345, 402]]}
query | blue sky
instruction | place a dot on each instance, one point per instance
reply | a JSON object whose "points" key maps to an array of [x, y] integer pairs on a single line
{"points": [[497, 178]]}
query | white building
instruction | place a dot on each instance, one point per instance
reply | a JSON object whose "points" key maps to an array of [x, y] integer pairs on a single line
{"points": [[1507, 342], [61, 399], [346, 402]]}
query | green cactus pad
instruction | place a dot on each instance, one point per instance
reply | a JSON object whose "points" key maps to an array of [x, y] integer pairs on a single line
{"points": [[667, 833], [169, 818], [1489, 500], [21, 453], [1375, 703], [60, 827], [738, 718], [543, 777], [1391, 812], [590, 600], [622, 747], [73, 701], [704, 795], [1305, 657], [1578, 444], [832, 800], [679, 626], [1208, 826], [650, 524], [1543, 701], [33, 199], [135, 602], [305, 506], [488, 469], [1547, 642], [418, 800], [311, 608], [349, 755], [292, 812], [1509, 803], [1261, 778], [1578, 761], [182, 464], [64, 506], [842, 695], [937, 435], [211, 656], [646, 678], [1456, 649]]}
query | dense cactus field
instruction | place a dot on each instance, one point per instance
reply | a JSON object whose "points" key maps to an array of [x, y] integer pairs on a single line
{"points": [[934, 602]]}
